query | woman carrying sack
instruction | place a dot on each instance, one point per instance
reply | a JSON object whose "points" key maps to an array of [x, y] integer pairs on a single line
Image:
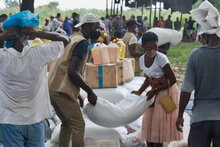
{"points": [[158, 125]]}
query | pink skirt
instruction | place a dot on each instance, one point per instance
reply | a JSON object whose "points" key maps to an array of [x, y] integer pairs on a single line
{"points": [[159, 126]]}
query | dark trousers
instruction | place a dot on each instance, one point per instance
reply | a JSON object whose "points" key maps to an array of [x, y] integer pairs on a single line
{"points": [[203, 133], [73, 124], [1, 44]]}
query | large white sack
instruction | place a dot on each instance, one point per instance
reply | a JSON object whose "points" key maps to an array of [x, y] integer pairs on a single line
{"points": [[167, 36], [55, 137], [113, 95], [49, 144], [134, 84], [56, 134], [93, 132], [96, 132], [186, 126], [208, 17], [107, 114], [102, 143], [137, 124]]}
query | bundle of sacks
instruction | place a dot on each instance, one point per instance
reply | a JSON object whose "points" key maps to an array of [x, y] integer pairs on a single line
{"points": [[208, 17], [166, 36]]}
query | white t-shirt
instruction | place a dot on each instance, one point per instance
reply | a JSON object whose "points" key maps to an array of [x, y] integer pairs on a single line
{"points": [[155, 71], [24, 94]]}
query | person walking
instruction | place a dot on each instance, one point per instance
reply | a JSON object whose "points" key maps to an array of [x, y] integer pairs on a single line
{"points": [[203, 75]]}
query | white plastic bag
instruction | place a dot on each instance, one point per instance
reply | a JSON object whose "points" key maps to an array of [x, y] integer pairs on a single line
{"points": [[107, 114]]}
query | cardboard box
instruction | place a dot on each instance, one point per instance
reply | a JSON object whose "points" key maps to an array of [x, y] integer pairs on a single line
{"points": [[126, 68], [137, 65], [101, 76]]}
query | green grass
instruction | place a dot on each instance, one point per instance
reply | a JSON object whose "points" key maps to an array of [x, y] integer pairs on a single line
{"points": [[178, 54]]}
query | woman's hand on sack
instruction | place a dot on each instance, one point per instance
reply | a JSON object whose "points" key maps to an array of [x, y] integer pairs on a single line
{"points": [[136, 92], [9, 34], [29, 30], [150, 94], [92, 98], [179, 123]]}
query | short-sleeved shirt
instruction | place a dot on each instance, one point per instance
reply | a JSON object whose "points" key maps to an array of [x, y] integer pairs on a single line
{"points": [[133, 40], [156, 69], [81, 49], [203, 75], [24, 94]]}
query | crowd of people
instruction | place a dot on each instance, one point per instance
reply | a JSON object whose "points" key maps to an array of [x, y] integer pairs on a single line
{"points": [[116, 26], [26, 93]]}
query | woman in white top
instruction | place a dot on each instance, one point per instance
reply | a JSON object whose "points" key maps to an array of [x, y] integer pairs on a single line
{"points": [[158, 126]]}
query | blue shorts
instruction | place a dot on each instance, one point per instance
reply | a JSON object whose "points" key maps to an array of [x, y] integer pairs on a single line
{"points": [[22, 135]]}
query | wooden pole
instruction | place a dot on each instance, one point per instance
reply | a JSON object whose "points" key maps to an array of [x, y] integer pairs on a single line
{"points": [[151, 2], [155, 12], [106, 7], [160, 8], [181, 18], [114, 7], [122, 3], [142, 8], [111, 7], [117, 9]]}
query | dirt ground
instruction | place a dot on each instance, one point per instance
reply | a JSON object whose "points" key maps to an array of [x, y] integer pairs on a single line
{"points": [[179, 73]]}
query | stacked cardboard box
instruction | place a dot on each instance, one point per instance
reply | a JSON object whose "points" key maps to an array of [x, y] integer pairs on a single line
{"points": [[126, 69], [110, 75], [101, 76]]}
